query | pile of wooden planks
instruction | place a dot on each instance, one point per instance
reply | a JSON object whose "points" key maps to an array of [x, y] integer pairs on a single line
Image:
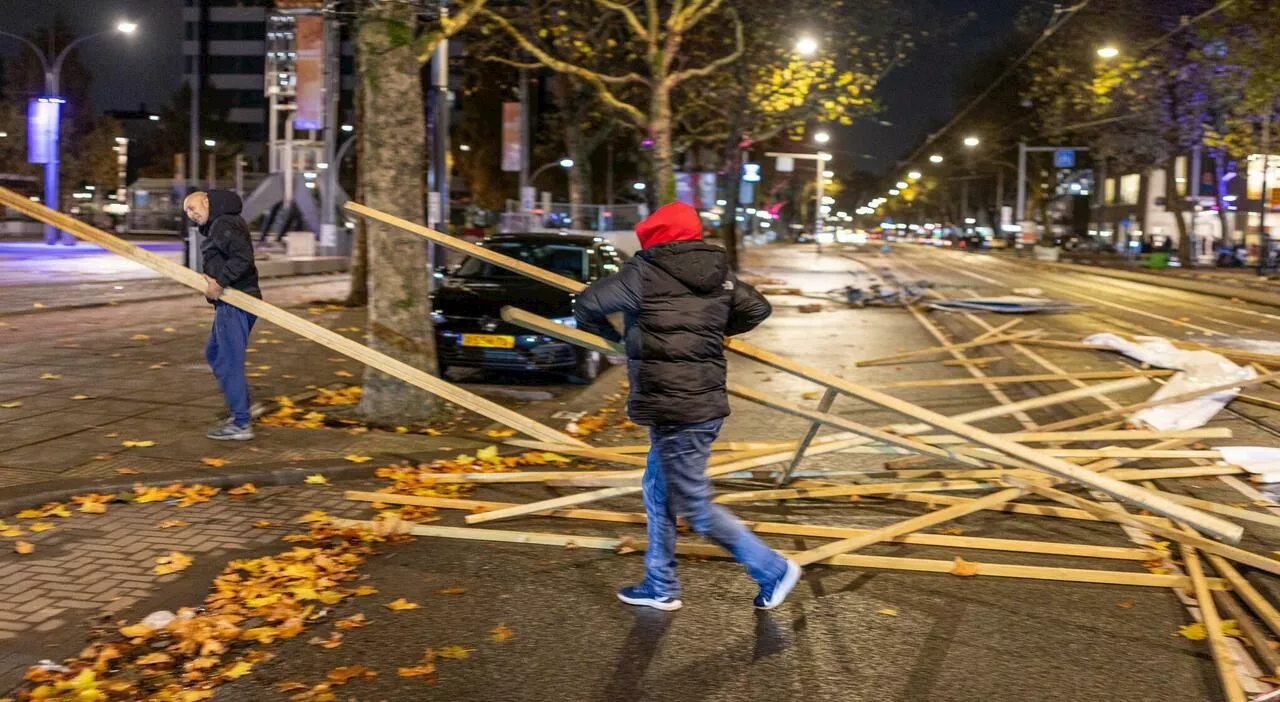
{"points": [[972, 469]]}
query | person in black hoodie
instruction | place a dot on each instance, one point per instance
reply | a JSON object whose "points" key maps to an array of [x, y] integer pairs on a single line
{"points": [[227, 253], [679, 300]]}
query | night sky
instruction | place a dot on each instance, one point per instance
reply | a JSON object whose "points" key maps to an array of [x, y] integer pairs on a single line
{"points": [[147, 67]]}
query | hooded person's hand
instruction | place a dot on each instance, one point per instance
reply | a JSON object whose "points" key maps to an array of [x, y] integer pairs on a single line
{"points": [[213, 291]]}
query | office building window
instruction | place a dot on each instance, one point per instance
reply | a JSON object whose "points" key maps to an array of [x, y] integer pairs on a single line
{"points": [[1111, 191], [236, 31], [1130, 188]]}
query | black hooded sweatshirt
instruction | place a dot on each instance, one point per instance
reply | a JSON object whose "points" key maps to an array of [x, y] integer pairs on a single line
{"points": [[679, 301], [227, 249]]}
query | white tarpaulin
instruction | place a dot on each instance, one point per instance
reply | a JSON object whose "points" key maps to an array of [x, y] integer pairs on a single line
{"points": [[1198, 369], [1262, 461]]}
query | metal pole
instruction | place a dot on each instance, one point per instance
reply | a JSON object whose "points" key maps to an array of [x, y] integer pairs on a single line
{"points": [[286, 164], [524, 138], [213, 169], [332, 123], [1022, 182], [240, 175], [1193, 194], [1264, 241], [440, 140], [817, 212]]}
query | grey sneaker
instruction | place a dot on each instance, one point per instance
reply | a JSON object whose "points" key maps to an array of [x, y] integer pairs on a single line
{"points": [[232, 432]]}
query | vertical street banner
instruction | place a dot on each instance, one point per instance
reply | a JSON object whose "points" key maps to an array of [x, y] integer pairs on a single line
{"points": [[684, 188], [511, 156], [706, 191], [43, 117], [309, 40]]}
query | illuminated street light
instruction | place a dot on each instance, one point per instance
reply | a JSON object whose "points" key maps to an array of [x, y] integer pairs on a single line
{"points": [[914, 175], [638, 186], [154, 118], [127, 27], [821, 137], [828, 174], [895, 191], [807, 46], [566, 163], [972, 141], [1108, 52], [936, 158], [210, 143], [464, 147], [348, 128], [903, 185]]}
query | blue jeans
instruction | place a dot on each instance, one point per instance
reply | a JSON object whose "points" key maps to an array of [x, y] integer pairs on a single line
{"points": [[676, 485], [225, 353]]}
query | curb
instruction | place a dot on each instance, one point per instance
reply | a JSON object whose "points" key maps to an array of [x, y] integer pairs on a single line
{"points": [[150, 298], [21, 497], [1227, 291]]}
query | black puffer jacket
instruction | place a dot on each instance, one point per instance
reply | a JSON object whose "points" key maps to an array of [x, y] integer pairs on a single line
{"points": [[227, 249], [679, 301]]}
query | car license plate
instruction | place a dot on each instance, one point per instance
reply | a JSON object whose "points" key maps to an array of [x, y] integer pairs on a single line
{"points": [[489, 341]]}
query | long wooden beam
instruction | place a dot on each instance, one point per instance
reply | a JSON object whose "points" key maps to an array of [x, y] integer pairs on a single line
{"points": [[1205, 523], [907, 526], [1231, 688], [1010, 379], [275, 315], [920, 353], [1053, 548], [848, 490], [1171, 400], [1239, 555], [1256, 601], [919, 565]]}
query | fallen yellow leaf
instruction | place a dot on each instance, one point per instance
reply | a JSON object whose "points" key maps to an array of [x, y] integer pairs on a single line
{"points": [[963, 568], [50, 376], [265, 523], [139, 337], [25, 547], [401, 604], [11, 405], [175, 562], [82, 397], [214, 462], [93, 508], [1125, 604], [356, 458], [172, 524], [237, 670], [154, 658], [555, 458], [453, 652], [316, 479], [888, 612], [500, 633], [500, 433], [246, 489], [811, 395], [334, 640], [128, 471], [313, 516], [488, 453], [364, 590], [342, 373], [127, 443], [340, 676], [355, 621], [451, 590], [41, 526], [417, 671], [137, 631]]}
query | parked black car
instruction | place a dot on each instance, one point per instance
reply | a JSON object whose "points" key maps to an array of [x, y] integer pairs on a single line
{"points": [[467, 307]]}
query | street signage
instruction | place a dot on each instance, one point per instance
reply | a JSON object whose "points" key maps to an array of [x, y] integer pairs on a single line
{"points": [[751, 172], [786, 164], [1064, 158]]}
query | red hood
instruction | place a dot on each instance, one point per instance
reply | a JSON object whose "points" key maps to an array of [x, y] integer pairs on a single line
{"points": [[674, 222]]}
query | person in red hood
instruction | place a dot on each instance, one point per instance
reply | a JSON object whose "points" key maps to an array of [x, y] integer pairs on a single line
{"points": [[679, 300]]}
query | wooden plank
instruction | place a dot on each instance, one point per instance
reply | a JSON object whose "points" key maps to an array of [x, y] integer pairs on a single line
{"points": [[1239, 555], [1203, 522], [785, 528], [605, 493], [907, 526], [1013, 507], [1259, 642], [291, 322], [848, 490], [919, 565], [1231, 688], [985, 360], [919, 353], [849, 425], [1173, 399], [1004, 328], [1258, 401], [1012, 379], [1225, 510], [1259, 604]]}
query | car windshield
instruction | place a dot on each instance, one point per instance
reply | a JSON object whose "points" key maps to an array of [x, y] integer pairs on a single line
{"points": [[567, 260]]}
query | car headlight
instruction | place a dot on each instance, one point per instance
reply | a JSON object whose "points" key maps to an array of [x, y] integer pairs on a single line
{"points": [[437, 318], [566, 321]]}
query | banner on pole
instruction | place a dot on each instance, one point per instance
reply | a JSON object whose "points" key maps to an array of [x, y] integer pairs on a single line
{"points": [[511, 156], [309, 38], [43, 115], [706, 190], [684, 188]]}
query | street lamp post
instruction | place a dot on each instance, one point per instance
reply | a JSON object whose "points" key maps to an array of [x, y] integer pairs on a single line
{"points": [[52, 79]]}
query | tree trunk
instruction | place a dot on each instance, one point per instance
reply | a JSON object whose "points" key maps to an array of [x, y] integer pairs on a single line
{"points": [[359, 294], [660, 132], [391, 174], [1176, 205], [565, 92], [733, 178], [1220, 192]]}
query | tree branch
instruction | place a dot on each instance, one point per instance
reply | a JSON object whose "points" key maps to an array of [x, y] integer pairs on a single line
{"points": [[509, 62], [632, 20], [689, 73], [448, 27], [598, 81]]}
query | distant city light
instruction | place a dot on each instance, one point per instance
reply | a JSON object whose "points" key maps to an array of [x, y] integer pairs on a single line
{"points": [[902, 185], [210, 143], [807, 46], [828, 174], [972, 141], [154, 118], [566, 163], [464, 147], [127, 27], [914, 175], [639, 187], [821, 137], [936, 158], [1108, 52], [348, 128], [894, 191]]}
